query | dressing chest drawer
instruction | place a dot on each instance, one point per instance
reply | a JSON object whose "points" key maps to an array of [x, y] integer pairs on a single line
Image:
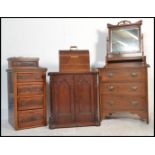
{"points": [[119, 88], [124, 74], [123, 103]]}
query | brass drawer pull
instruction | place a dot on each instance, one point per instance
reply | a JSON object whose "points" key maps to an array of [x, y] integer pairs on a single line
{"points": [[110, 74], [111, 103], [111, 88], [133, 74], [134, 103], [134, 88]]}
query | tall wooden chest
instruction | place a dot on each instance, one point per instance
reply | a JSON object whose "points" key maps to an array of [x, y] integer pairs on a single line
{"points": [[26, 93]]}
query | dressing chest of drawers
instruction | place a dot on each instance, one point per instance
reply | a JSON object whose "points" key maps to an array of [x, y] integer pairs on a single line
{"points": [[123, 80], [26, 93], [123, 88]]}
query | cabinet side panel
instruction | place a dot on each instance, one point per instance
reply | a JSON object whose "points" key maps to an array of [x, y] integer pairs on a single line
{"points": [[10, 98]]}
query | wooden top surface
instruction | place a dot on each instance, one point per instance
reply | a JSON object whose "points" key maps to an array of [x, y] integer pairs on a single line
{"points": [[26, 69], [73, 73], [23, 59]]}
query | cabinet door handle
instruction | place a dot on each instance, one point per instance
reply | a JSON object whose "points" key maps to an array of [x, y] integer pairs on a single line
{"points": [[110, 74], [134, 103], [111, 88], [133, 74]]}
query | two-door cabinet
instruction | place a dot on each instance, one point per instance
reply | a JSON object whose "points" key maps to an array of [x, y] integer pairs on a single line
{"points": [[74, 99]]}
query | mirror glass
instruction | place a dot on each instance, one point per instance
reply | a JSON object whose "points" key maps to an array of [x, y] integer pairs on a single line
{"points": [[125, 40]]}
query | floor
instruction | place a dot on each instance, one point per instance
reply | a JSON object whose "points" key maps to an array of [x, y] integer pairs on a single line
{"points": [[122, 126]]}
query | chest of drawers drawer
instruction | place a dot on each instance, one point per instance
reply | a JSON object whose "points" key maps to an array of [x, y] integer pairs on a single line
{"points": [[27, 103], [28, 77], [132, 88], [123, 102], [123, 74], [30, 89], [30, 118]]}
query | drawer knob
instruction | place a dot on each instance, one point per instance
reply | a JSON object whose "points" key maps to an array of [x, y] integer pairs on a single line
{"points": [[133, 74], [111, 88], [134, 88], [134, 103], [110, 74], [110, 103]]}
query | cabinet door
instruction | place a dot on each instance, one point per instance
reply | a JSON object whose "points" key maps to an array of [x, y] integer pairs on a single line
{"points": [[62, 109], [85, 99]]}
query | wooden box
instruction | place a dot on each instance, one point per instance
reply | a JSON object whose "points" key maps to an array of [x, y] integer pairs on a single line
{"points": [[74, 60]]}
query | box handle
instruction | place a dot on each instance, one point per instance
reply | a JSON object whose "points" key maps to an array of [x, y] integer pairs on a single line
{"points": [[73, 47]]}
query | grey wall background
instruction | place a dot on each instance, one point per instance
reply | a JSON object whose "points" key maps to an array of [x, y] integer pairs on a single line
{"points": [[44, 37]]}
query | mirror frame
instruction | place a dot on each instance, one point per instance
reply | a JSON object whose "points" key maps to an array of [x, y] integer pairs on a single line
{"points": [[123, 24]]}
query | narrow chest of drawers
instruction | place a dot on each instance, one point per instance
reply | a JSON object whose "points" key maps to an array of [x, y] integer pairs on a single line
{"points": [[123, 89], [26, 94]]}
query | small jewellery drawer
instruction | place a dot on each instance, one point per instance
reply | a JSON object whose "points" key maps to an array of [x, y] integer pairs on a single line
{"points": [[123, 102], [21, 63], [25, 77], [26, 103], [30, 89], [30, 118], [123, 88], [123, 74]]}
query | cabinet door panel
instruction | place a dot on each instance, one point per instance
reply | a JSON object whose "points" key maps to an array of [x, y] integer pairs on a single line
{"points": [[62, 99], [84, 99]]}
